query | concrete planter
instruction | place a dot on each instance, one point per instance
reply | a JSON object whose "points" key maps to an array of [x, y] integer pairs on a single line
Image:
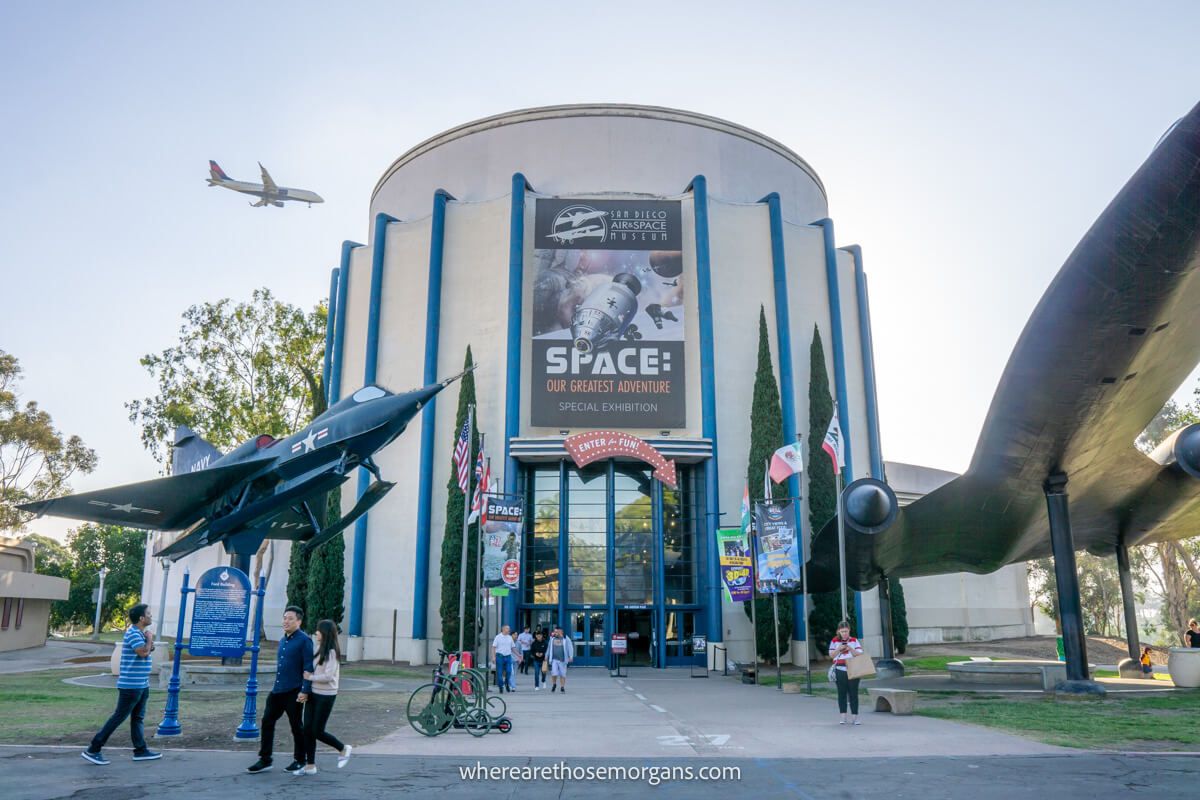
{"points": [[1184, 665]]}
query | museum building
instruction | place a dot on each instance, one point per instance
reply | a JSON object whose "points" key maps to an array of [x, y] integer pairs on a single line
{"points": [[606, 265]]}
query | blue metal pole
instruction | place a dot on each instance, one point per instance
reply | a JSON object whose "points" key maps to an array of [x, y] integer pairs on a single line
{"points": [[249, 727], [839, 345], [339, 327], [867, 344], [708, 398], [330, 318], [787, 390], [512, 388], [358, 571], [170, 722], [433, 318]]}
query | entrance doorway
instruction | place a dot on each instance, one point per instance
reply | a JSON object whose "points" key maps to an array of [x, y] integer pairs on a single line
{"points": [[638, 627]]}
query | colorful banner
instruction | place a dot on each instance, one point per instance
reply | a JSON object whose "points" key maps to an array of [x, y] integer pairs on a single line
{"points": [[737, 572], [502, 541], [584, 448], [608, 333], [778, 548]]}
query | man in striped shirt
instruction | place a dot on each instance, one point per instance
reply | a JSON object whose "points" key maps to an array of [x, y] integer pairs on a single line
{"points": [[133, 689]]}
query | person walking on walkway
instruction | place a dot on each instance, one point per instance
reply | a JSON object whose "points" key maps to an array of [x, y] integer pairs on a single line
{"points": [[560, 653], [502, 657], [525, 640], [133, 689], [843, 648], [324, 678], [537, 654], [1192, 634], [289, 693]]}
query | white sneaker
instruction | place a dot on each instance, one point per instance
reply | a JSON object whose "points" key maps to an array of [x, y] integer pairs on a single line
{"points": [[537, 688], [344, 756], [311, 769]]}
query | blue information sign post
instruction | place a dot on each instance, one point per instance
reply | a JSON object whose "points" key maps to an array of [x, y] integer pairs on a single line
{"points": [[220, 617]]}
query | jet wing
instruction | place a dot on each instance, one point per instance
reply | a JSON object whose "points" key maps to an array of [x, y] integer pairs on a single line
{"points": [[1112, 338], [268, 183], [163, 504]]}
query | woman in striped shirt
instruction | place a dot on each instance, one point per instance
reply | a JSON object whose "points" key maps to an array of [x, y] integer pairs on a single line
{"points": [[842, 648]]}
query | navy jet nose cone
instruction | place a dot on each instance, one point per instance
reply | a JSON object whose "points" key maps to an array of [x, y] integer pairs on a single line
{"points": [[870, 506]]}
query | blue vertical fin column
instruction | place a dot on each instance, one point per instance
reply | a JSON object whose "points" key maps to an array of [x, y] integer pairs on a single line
{"points": [[708, 400], [512, 377], [337, 363], [330, 323], [867, 344], [433, 320], [787, 381], [839, 370], [358, 571]]}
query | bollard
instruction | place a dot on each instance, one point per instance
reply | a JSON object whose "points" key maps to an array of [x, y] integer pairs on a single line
{"points": [[170, 722]]}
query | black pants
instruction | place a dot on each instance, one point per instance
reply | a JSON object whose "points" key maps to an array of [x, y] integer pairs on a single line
{"points": [[277, 706], [846, 689], [316, 714], [131, 703], [525, 659]]}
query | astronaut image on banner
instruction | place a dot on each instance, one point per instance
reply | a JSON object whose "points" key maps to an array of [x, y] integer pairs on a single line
{"points": [[502, 542]]}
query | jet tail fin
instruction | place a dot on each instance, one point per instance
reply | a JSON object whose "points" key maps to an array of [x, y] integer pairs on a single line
{"points": [[190, 452], [215, 173]]}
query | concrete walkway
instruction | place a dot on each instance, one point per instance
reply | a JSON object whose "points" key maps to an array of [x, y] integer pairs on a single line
{"points": [[666, 713], [54, 655]]}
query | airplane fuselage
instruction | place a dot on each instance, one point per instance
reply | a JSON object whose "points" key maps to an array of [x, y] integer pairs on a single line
{"points": [[279, 195]]}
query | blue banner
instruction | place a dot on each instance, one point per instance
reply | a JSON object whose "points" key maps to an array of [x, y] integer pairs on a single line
{"points": [[220, 614], [778, 556]]}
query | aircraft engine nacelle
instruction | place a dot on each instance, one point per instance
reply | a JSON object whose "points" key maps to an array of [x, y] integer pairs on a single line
{"points": [[870, 506], [1182, 448]]}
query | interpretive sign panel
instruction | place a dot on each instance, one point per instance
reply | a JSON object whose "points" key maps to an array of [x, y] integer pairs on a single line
{"points": [[220, 614]]}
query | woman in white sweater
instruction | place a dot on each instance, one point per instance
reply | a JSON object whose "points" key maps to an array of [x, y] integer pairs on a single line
{"points": [[324, 677]]}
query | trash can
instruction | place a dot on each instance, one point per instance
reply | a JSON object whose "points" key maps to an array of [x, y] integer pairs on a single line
{"points": [[749, 676], [1062, 651]]}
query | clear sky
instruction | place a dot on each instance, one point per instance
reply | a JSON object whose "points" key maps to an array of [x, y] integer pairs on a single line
{"points": [[966, 146]]}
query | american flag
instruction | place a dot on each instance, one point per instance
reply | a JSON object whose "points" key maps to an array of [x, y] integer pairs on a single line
{"points": [[462, 456]]}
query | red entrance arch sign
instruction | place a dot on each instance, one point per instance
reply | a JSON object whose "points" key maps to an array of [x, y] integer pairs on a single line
{"points": [[596, 445]]}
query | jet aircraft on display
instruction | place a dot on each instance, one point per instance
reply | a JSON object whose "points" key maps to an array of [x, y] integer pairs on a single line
{"points": [[268, 192], [265, 488], [1115, 334]]}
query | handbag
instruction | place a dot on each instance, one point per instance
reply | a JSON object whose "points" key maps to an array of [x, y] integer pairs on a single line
{"points": [[545, 666], [860, 667]]}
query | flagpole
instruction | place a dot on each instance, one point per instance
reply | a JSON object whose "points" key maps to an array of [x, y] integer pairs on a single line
{"points": [[479, 547], [842, 547], [754, 598], [778, 658], [462, 570]]}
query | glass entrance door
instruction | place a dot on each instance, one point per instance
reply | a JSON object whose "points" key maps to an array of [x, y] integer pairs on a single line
{"points": [[586, 628], [638, 627]]}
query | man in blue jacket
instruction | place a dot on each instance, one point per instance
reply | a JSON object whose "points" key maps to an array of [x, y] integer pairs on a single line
{"points": [[289, 692]]}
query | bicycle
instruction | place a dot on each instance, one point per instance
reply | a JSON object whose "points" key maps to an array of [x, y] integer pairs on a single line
{"points": [[435, 707]]}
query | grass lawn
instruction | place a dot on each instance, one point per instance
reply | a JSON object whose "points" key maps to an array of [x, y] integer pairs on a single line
{"points": [[1161, 722], [40, 709]]}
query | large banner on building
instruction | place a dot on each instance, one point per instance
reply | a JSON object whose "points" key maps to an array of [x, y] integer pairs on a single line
{"points": [[505, 520], [778, 547], [737, 573], [608, 341]]}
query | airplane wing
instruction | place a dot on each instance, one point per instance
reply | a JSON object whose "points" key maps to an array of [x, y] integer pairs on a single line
{"points": [[163, 504], [268, 183], [1112, 338]]}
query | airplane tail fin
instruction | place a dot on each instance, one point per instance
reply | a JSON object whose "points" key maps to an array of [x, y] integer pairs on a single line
{"points": [[216, 174], [190, 452]]}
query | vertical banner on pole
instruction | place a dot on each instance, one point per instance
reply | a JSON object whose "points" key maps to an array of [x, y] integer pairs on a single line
{"points": [[778, 551], [737, 571], [502, 541]]}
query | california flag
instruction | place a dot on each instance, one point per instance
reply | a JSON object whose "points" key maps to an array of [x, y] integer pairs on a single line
{"points": [[786, 462]]}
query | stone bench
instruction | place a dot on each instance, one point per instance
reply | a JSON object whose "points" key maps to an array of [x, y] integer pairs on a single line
{"points": [[1043, 674], [898, 701]]}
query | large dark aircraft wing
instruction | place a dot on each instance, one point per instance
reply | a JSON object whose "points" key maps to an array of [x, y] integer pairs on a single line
{"points": [[1115, 334], [163, 504]]}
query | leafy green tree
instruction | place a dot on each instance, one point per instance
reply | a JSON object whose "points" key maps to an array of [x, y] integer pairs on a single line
{"points": [[36, 459], [122, 551], [899, 615], [239, 370], [822, 490], [766, 436], [452, 540]]}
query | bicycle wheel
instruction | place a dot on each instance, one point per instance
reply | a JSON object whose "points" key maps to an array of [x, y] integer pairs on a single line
{"points": [[428, 710], [476, 721], [495, 707]]}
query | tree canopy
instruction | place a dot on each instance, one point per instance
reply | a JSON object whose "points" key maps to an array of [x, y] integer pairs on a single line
{"points": [[36, 459]]}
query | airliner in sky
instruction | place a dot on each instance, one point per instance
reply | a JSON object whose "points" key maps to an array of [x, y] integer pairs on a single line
{"points": [[268, 192]]}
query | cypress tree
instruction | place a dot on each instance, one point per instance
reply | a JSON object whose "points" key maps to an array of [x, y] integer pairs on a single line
{"points": [[822, 490], [452, 540], [297, 588], [327, 572], [766, 436], [899, 615]]}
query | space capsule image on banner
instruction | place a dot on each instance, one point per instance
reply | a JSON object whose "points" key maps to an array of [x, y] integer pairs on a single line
{"points": [[608, 340]]}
